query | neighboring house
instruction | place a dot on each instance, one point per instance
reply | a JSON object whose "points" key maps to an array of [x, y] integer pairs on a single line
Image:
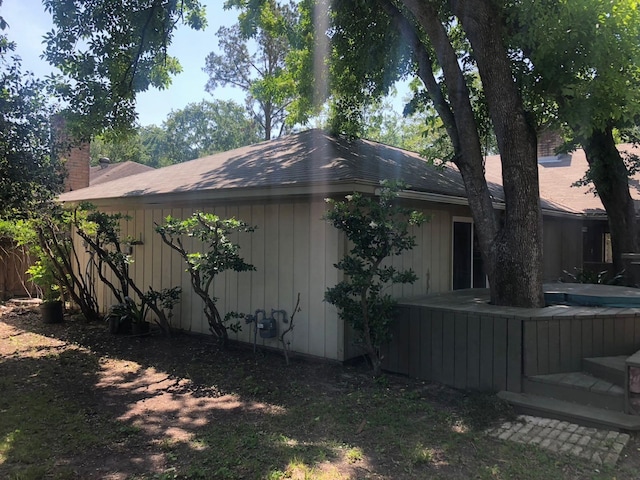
{"points": [[106, 171], [280, 187]]}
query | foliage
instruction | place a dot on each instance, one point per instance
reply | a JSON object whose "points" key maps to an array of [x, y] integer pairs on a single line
{"points": [[205, 128], [219, 254], [378, 229], [579, 65], [48, 236], [109, 51], [262, 74], [197, 130], [121, 148], [30, 170], [603, 277], [593, 79], [351, 53], [110, 253], [43, 274]]}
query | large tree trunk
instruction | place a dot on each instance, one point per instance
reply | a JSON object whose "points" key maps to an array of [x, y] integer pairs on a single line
{"points": [[458, 118], [518, 249], [513, 252], [610, 178]]}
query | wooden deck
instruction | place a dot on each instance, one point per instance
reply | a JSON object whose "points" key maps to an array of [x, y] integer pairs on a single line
{"points": [[460, 340]]}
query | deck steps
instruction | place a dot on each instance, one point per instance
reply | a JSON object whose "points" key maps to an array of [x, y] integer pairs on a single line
{"points": [[594, 397], [607, 368], [578, 387], [572, 412]]}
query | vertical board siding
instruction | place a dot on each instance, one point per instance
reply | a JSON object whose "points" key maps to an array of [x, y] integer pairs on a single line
{"points": [[559, 344], [301, 269], [430, 264], [461, 349], [294, 251]]}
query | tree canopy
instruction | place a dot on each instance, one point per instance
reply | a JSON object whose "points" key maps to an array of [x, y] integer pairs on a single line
{"points": [[358, 49], [108, 51], [580, 65], [197, 130], [30, 169], [261, 71]]}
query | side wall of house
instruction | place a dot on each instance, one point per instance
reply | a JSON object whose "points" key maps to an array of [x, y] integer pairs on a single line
{"points": [[292, 249], [562, 246]]}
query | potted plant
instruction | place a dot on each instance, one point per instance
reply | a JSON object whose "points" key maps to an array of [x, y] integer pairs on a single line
{"points": [[128, 317], [52, 307]]}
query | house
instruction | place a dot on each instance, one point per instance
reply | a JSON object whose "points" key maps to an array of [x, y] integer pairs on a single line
{"points": [[106, 171], [280, 187], [558, 175]]}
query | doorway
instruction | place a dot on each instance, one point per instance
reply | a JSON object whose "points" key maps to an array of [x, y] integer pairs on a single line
{"points": [[468, 270]]}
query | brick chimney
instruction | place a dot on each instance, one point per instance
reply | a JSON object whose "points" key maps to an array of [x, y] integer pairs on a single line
{"points": [[76, 160], [548, 141], [77, 164]]}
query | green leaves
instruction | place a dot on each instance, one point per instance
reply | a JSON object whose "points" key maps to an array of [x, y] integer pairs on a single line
{"points": [[31, 172], [261, 71], [377, 229], [110, 50], [220, 252], [584, 57]]}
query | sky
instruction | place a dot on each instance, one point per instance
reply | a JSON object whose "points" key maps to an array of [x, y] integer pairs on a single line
{"points": [[28, 22]]}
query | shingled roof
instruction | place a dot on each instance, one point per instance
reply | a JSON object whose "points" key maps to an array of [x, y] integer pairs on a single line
{"points": [[314, 158], [557, 179], [307, 158], [107, 172]]}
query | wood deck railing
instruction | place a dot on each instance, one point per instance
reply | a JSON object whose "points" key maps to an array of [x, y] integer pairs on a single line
{"points": [[480, 347]]}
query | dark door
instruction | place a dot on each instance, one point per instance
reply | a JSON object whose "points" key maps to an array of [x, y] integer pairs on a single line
{"points": [[468, 270]]}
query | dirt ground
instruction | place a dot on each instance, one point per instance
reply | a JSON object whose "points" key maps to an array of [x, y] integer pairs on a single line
{"points": [[167, 390], [162, 387]]}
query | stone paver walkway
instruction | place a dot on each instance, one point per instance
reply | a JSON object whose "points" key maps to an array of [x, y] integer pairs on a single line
{"points": [[599, 446]]}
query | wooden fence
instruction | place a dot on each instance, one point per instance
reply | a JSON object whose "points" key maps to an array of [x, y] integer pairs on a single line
{"points": [[14, 262]]}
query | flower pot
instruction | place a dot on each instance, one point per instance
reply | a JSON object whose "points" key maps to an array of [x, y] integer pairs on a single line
{"points": [[52, 311]]}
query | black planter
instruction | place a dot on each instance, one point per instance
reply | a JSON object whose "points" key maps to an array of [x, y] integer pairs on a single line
{"points": [[52, 312]]}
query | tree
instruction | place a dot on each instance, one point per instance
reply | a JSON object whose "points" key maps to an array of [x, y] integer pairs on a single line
{"points": [[262, 74], [110, 50], [205, 128], [30, 170], [378, 229], [122, 148], [220, 255], [375, 43], [53, 245], [580, 63], [197, 130], [110, 255]]}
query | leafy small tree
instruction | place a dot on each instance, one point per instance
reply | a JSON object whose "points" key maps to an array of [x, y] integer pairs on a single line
{"points": [[49, 237], [377, 228], [220, 255], [101, 232]]}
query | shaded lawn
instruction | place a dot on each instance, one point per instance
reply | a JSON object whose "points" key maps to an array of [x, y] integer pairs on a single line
{"points": [[76, 402]]}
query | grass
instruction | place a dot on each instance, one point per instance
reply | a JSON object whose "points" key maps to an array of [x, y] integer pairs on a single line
{"points": [[306, 421]]}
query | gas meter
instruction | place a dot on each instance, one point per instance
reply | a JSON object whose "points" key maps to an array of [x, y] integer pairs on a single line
{"points": [[268, 327]]}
